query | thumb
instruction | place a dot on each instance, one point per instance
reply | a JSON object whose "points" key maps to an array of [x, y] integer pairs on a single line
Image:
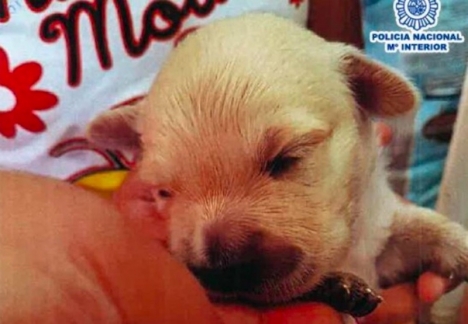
{"points": [[399, 305], [303, 314], [310, 313], [431, 287]]}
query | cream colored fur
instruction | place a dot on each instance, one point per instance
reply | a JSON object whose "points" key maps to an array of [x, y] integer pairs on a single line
{"points": [[235, 94]]}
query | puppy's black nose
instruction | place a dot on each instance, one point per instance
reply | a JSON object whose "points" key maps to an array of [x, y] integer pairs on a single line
{"points": [[234, 278], [240, 261]]}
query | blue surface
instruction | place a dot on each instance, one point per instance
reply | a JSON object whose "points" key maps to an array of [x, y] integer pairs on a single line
{"points": [[428, 156]]}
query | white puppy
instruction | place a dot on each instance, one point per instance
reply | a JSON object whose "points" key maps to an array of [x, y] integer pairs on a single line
{"points": [[258, 146]]}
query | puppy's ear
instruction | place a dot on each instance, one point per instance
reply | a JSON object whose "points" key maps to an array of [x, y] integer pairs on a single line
{"points": [[379, 90], [117, 128]]}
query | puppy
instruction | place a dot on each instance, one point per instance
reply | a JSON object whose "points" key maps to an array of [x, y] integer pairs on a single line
{"points": [[257, 144]]}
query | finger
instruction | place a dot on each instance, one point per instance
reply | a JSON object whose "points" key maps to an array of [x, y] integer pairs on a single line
{"points": [[431, 287], [303, 314], [463, 315], [400, 305], [297, 314], [239, 315], [384, 133]]}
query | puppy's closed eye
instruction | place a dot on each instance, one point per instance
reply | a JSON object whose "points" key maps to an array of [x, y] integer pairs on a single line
{"points": [[284, 150], [280, 164]]}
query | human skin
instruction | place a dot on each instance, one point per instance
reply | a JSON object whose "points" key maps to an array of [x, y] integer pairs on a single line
{"points": [[67, 256], [463, 316]]}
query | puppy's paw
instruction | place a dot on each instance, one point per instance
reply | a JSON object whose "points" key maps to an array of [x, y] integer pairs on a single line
{"points": [[422, 241], [346, 293]]}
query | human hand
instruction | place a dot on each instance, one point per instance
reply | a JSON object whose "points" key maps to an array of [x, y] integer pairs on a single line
{"points": [[67, 256], [402, 303]]}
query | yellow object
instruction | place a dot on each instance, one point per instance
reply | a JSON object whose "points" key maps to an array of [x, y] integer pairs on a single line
{"points": [[103, 182]]}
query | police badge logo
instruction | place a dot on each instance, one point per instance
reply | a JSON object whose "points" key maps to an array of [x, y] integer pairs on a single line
{"points": [[417, 15]]}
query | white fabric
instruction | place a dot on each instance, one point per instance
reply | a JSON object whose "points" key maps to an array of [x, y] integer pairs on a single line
{"points": [[453, 200], [58, 150]]}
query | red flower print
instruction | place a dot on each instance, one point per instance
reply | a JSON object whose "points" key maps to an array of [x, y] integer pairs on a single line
{"points": [[16, 85], [296, 3]]}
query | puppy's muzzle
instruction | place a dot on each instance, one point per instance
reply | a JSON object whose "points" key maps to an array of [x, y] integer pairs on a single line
{"points": [[245, 263]]}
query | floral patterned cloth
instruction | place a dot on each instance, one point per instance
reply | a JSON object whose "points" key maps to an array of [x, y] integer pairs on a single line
{"points": [[63, 62]]}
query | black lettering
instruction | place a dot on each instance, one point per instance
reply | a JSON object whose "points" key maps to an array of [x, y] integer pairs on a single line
{"points": [[171, 15], [200, 10], [67, 25], [38, 5], [166, 10]]}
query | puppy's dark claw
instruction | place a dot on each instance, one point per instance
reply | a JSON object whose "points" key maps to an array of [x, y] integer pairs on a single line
{"points": [[346, 293]]}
